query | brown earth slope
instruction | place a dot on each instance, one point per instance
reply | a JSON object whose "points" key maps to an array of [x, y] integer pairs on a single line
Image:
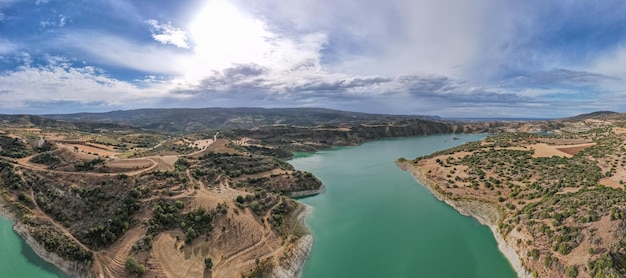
{"points": [[547, 204], [169, 212]]}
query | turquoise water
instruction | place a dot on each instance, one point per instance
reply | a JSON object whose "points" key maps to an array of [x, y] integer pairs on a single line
{"points": [[375, 220], [17, 259]]}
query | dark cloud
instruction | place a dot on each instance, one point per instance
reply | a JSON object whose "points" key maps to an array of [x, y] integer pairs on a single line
{"points": [[338, 86], [443, 90], [241, 78], [420, 85], [557, 77], [244, 71], [256, 82]]}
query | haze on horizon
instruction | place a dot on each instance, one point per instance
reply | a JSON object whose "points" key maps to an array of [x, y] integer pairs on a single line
{"points": [[452, 58]]}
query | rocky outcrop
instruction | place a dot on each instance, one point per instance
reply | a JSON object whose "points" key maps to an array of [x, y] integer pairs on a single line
{"points": [[292, 262], [307, 193], [486, 214]]}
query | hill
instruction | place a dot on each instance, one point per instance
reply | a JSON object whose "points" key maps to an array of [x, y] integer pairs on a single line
{"points": [[192, 120], [182, 204], [34, 121], [555, 202], [112, 197], [598, 115]]}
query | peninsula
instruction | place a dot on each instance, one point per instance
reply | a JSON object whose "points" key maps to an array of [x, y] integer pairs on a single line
{"points": [[554, 201]]}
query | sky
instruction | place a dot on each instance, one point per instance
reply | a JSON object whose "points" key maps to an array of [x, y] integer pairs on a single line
{"points": [[451, 58]]}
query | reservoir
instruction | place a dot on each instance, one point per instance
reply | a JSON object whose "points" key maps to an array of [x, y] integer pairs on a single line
{"points": [[17, 259], [375, 220]]}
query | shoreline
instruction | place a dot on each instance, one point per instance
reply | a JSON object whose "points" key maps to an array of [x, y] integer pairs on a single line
{"points": [[485, 213], [293, 265], [307, 193], [71, 269]]}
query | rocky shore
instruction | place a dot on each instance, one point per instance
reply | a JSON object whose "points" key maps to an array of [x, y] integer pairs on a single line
{"points": [[292, 262], [485, 213], [307, 193], [73, 269]]}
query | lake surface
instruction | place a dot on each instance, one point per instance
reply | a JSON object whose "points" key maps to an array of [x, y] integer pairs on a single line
{"points": [[375, 220], [17, 259]]}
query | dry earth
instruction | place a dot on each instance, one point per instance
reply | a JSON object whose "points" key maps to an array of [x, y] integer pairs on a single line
{"points": [[239, 241]]}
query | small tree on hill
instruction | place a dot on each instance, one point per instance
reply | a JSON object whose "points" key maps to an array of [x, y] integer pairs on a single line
{"points": [[133, 266], [208, 262]]}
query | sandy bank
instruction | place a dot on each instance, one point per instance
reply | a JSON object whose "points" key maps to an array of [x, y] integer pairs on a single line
{"points": [[292, 263], [485, 213]]}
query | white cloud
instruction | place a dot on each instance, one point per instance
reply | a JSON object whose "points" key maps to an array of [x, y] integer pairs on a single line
{"points": [[352, 54], [7, 46], [396, 37], [221, 36], [60, 21], [120, 52], [24, 58], [47, 23], [167, 34], [612, 63], [59, 83], [391, 37], [224, 36]]}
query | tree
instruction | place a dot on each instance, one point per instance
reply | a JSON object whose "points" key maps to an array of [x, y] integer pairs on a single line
{"points": [[191, 234], [208, 262], [256, 207], [133, 266], [572, 271]]}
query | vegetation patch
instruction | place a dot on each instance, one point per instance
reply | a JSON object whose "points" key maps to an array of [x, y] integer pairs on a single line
{"points": [[53, 240], [555, 201]]}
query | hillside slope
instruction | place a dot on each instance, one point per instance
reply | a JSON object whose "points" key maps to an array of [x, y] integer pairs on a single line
{"points": [[190, 120]]}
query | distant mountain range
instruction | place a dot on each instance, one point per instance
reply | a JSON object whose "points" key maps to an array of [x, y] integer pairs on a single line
{"points": [[41, 122], [191, 120], [183, 120]]}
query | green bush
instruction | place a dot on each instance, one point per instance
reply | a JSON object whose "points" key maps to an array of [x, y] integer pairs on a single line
{"points": [[134, 267], [572, 271]]}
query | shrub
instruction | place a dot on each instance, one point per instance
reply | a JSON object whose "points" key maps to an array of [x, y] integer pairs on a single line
{"points": [[208, 262], [572, 271], [133, 266]]}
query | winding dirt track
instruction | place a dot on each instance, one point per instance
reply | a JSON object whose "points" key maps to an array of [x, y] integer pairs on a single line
{"points": [[111, 262], [24, 163]]}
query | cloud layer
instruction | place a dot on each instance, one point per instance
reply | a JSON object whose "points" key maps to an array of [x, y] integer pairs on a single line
{"points": [[451, 58]]}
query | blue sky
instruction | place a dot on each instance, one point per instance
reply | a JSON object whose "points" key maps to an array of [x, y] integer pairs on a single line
{"points": [[452, 58]]}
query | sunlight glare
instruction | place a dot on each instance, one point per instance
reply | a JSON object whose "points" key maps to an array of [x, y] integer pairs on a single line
{"points": [[222, 35]]}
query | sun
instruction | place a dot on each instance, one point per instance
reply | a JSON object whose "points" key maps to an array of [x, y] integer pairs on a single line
{"points": [[222, 35]]}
